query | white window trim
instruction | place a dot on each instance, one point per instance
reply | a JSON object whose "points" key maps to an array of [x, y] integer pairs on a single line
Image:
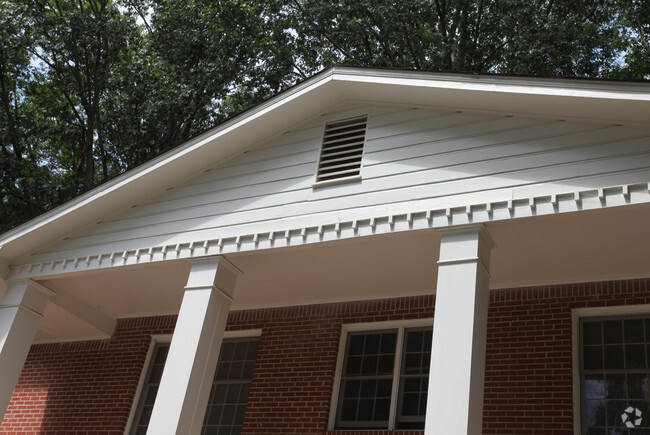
{"points": [[373, 326], [576, 315], [167, 338]]}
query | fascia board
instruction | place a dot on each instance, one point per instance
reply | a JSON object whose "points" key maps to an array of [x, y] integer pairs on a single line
{"points": [[475, 82], [576, 99]]}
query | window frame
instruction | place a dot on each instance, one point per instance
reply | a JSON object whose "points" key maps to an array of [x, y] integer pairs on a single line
{"points": [[595, 313], [166, 339], [400, 326]]}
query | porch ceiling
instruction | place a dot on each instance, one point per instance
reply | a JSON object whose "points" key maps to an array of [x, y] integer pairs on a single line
{"points": [[588, 246]]}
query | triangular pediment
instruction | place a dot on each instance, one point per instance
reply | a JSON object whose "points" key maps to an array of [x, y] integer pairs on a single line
{"points": [[437, 147]]}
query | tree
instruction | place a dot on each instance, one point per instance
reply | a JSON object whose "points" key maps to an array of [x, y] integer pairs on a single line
{"points": [[91, 88], [21, 160], [581, 38], [634, 19], [80, 43]]}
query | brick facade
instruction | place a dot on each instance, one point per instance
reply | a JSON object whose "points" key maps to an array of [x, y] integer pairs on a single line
{"points": [[88, 387]]}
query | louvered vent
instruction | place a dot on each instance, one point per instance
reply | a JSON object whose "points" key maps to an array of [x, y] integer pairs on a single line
{"points": [[342, 149]]}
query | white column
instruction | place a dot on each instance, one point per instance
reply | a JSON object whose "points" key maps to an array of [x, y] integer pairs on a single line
{"points": [[20, 313], [455, 397], [187, 378]]}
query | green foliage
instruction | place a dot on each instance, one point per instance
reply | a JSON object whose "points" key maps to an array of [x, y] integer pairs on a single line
{"points": [[91, 88], [581, 38]]}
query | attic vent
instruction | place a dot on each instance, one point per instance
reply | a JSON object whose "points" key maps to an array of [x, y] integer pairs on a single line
{"points": [[342, 149]]}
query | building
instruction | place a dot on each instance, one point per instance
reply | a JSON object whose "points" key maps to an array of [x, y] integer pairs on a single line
{"points": [[309, 239]]}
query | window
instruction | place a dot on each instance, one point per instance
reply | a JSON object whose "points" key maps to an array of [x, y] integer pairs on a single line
{"points": [[342, 149], [615, 375], [229, 393], [150, 389], [384, 376]]}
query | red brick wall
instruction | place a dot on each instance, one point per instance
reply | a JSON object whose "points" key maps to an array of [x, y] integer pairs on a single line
{"points": [[528, 385], [292, 385], [88, 387], [83, 387]]}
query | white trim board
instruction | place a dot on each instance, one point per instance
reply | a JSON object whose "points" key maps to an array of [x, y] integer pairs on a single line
{"points": [[403, 216]]}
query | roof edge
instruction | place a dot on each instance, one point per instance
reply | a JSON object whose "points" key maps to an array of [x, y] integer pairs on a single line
{"points": [[495, 83]]}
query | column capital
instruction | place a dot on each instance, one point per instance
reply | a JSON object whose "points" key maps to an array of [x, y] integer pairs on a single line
{"points": [[220, 260], [466, 244], [470, 229], [26, 293], [213, 272]]}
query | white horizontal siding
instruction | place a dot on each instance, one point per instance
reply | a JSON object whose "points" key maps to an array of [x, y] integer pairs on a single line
{"points": [[410, 155]]}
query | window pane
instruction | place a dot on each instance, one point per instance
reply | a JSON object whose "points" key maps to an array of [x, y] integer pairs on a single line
{"points": [[231, 391], [635, 356], [388, 343], [614, 357], [349, 410], [592, 333], [615, 385], [355, 345], [594, 386], [366, 382], [352, 388], [613, 331], [595, 412], [593, 357], [637, 386], [372, 344], [386, 363], [150, 397], [369, 365], [633, 331], [414, 379], [384, 388], [227, 350], [382, 409], [368, 388], [365, 411], [156, 373]]}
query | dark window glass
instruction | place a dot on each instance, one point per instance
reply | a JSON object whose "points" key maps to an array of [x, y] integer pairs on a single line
{"points": [[227, 405], [229, 393], [366, 383], [414, 379], [150, 389], [615, 377], [367, 379]]}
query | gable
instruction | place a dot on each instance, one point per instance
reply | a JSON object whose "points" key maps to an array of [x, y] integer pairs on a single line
{"points": [[415, 159], [404, 185]]}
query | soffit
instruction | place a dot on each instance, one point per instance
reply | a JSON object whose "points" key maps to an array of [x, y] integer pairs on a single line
{"points": [[574, 247]]}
